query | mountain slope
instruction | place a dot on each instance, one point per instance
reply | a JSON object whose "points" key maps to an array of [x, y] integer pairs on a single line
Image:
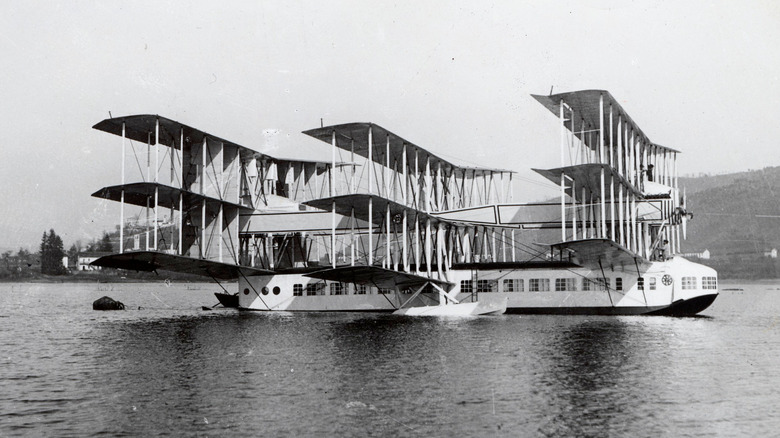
{"points": [[735, 213]]}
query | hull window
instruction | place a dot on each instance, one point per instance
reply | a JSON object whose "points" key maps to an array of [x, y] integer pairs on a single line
{"points": [[486, 286], [297, 290], [315, 289], [565, 284], [688, 283], [589, 284], [710, 283], [539, 285], [337, 288], [466, 286], [651, 281], [513, 285]]}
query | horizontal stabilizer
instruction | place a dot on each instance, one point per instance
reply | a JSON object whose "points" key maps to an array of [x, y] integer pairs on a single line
{"points": [[376, 276], [529, 216], [151, 261], [296, 222]]}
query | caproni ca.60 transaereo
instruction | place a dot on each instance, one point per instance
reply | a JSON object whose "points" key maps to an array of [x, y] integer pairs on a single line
{"points": [[387, 226]]}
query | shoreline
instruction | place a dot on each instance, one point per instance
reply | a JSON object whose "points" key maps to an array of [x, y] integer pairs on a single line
{"points": [[102, 278]]}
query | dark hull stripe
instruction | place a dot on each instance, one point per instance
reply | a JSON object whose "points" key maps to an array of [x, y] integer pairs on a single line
{"points": [[582, 310], [678, 308], [687, 307], [323, 310]]}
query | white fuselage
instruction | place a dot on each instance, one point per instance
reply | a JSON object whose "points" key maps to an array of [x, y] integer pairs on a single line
{"points": [[618, 290]]}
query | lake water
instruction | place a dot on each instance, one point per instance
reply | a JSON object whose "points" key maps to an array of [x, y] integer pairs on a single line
{"points": [[171, 368]]}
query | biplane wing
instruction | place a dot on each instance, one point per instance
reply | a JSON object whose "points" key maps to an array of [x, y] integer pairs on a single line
{"points": [[354, 138], [586, 105], [599, 253], [588, 176], [140, 193], [155, 129], [151, 261], [376, 276]]}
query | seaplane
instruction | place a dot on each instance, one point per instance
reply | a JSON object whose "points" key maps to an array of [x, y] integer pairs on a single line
{"points": [[388, 226]]}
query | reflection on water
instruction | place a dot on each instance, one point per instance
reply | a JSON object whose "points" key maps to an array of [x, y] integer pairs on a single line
{"points": [[172, 368], [592, 368]]}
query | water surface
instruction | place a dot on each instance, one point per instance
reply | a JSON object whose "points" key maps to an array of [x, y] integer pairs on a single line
{"points": [[170, 368]]}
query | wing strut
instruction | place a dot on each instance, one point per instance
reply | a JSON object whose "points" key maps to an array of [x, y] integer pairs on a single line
{"points": [[446, 294], [414, 295], [442, 294], [604, 277], [218, 283], [643, 282], [385, 295]]}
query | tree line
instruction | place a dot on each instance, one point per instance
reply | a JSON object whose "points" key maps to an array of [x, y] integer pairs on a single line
{"points": [[49, 258]]}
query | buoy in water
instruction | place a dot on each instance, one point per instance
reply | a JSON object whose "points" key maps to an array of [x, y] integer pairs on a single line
{"points": [[106, 303]]}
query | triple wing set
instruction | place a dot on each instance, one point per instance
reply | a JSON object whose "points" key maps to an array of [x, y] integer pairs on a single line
{"points": [[383, 210]]}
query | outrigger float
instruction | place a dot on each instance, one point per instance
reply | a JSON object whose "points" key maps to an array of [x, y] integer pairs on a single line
{"points": [[387, 226]]}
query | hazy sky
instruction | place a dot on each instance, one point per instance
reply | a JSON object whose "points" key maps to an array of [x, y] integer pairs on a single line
{"points": [[453, 77]]}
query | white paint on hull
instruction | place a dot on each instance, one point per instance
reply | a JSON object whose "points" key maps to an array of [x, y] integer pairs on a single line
{"points": [[258, 292]]}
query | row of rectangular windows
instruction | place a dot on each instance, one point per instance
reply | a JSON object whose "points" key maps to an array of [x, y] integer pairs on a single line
{"points": [[570, 284], [512, 285], [538, 285], [313, 289], [707, 283]]}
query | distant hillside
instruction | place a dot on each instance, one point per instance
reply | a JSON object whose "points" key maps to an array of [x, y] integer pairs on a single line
{"points": [[734, 213], [737, 218], [704, 182]]}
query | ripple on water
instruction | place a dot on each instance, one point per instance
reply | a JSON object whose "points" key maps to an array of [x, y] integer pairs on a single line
{"points": [[172, 368]]}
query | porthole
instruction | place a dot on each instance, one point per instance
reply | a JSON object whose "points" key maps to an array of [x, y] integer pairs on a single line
{"points": [[276, 290], [265, 291], [246, 291]]}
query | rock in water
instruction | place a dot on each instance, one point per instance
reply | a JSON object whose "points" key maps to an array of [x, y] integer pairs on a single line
{"points": [[107, 303]]}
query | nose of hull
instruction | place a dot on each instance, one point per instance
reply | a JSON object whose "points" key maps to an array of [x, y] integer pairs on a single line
{"points": [[688, 307]]}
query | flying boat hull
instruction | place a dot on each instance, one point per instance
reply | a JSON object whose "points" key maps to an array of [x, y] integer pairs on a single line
{"points": [[392, 227]]}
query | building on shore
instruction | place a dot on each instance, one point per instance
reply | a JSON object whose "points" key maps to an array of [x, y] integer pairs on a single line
{"points": [[85, 258], [704, 255]]}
